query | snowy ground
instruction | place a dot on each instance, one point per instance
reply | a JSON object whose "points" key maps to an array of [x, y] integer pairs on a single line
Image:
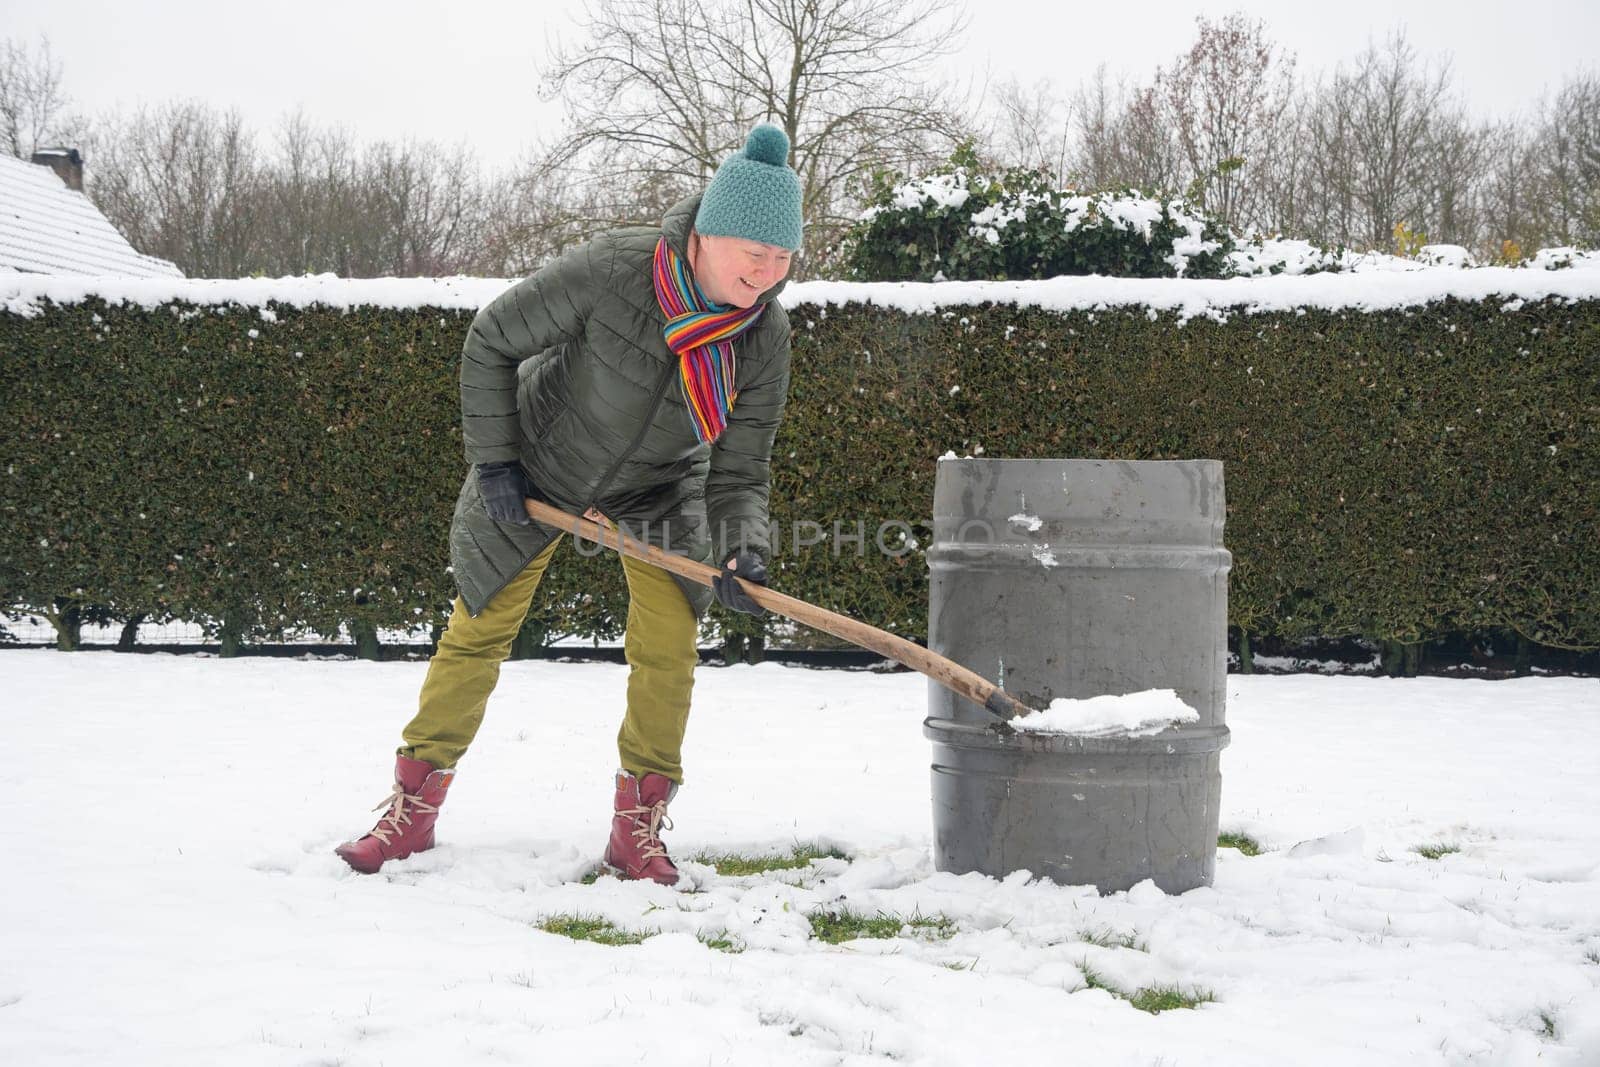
{"points": [[171, 896]]}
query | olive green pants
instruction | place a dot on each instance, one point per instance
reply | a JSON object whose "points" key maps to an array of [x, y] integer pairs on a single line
{"points": [[659, 643]]}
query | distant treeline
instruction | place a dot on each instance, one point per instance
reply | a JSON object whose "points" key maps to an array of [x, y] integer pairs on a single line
{"points": [[1379, 151]]}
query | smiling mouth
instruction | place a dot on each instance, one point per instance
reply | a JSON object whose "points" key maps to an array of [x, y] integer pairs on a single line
{"points": [[747, 285]]}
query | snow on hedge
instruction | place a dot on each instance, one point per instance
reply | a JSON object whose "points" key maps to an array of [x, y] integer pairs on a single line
{"points": [[1190, 298], [1382, 283], [24, 294]]}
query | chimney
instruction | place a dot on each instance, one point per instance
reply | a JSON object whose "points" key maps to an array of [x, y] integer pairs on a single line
{"points": [[66, 162]]}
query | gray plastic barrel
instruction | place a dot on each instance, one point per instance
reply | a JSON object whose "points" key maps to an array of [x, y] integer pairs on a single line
{"points": [[1079, 578]]}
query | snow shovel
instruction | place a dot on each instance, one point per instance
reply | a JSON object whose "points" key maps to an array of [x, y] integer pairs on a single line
{"points": [[954, 677]]}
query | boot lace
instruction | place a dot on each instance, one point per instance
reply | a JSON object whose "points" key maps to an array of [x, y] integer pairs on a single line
{"points": [[401, 805], [647, 826]]}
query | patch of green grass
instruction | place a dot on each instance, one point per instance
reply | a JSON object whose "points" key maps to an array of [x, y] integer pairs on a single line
{"points": [[1153, 999], [594, 876], [1243, 842], [721, 942], [1092, 979], [1593, 955], [1435, 850], [837, 927], [938, 927], [1548, 1025], [1156, 999], [1106, 937], [589, 928], [734, 865]]}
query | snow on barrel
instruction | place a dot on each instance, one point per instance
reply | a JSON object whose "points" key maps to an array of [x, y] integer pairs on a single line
{"points": [[1095, 590]]}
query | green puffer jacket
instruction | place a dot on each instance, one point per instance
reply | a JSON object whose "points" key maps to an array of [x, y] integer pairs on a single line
{"points": [[568, 372]]}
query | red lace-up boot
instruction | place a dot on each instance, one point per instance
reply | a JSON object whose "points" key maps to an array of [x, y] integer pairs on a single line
{"points": [[407, 827], [636, 850]]}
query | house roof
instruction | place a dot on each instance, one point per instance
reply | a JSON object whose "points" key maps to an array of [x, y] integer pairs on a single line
{"points": [[46, 228]]}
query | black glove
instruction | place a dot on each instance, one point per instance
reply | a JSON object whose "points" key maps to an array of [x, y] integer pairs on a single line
{"points": [[746, 565], [503, 487]]}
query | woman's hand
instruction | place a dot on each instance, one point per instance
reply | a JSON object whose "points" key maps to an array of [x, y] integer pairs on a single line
{"points": [[730, 594], [503, 487]]}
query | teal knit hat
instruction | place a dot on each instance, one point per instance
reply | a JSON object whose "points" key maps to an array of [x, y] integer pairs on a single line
{"points": [[754, 194]]}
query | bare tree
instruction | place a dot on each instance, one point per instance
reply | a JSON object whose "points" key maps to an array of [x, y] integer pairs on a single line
{"points": [[180, 181], [1378, 131], [542, 208], [33, 107], [1122, 139], [1281, 178], [188, 183], [1568, 162], [1329, 212], [318, 215], [1153, 151], [664, 90], [1227, 98], [1032, 127], [1340, 162], [1213, 122], [1453, 190], [422, 205], [305, 198], [1096, 161], [1510, 191]]}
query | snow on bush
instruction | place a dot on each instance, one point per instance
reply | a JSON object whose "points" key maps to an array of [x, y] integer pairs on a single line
{"points": [[1256, 255], [1564, 258], [965, 224], [1446, 256], [939, 190]]}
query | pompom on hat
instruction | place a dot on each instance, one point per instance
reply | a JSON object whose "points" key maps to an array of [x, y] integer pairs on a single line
{"points": [[755, 194]]}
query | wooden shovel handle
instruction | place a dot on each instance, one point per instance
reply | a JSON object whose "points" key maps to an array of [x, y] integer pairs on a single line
{"points": [[951, 675]]}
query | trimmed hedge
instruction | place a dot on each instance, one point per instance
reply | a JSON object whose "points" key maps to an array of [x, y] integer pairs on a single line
{"points": [[1400, 475], [200, 463]]}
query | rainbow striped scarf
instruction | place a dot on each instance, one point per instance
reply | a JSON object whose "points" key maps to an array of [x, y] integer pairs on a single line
{"points": [[702, 340]]}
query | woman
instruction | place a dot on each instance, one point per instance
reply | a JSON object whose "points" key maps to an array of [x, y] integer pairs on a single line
{"points": [[640, 377]]}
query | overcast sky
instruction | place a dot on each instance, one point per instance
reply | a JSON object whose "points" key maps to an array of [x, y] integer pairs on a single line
{"points": [[400, 68]]}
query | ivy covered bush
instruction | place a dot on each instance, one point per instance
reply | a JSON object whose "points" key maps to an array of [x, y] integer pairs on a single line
{"points": [[963, 222], [960, 223]]}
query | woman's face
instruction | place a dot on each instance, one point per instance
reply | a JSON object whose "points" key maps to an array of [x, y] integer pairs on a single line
{"points": [[732, 270]]}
